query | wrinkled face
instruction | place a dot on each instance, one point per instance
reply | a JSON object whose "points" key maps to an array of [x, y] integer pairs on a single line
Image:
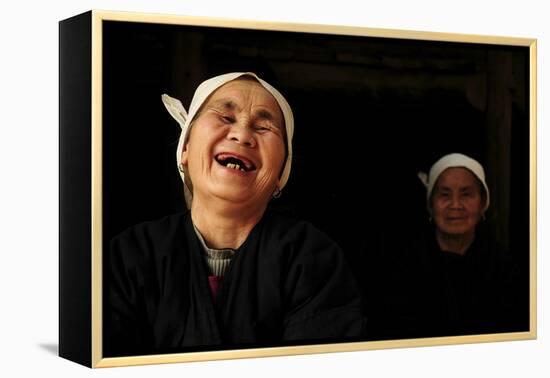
{"points": [[236, 147], [457, 203]]}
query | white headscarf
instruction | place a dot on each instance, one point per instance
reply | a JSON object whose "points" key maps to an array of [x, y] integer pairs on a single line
{"points": [[452, 161], [205, 89]]}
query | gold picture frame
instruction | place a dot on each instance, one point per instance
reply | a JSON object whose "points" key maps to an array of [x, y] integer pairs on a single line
{"points": [[83, 101]]}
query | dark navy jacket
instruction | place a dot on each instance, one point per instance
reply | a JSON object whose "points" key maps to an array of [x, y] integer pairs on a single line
{"points": [[288, 283]]}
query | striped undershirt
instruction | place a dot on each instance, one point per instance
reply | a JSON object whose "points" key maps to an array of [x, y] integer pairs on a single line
{"points": [[217, 259]]}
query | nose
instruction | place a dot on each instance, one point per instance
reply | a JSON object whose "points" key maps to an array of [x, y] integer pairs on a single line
{"points": [[241, 133], [456, 202]]}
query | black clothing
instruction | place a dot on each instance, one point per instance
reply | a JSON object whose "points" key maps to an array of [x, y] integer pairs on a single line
{"points": [[427, 292], [288, 281]]}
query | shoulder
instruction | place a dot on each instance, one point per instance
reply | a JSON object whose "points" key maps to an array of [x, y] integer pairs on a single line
{"points": [[154, 229], [150, 239], [488, 246], [298, 237], [492, 252], [291, 228]]}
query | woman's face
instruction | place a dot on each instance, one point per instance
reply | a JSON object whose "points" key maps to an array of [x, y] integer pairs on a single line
{"points": [[457, 204], [236, 147]]}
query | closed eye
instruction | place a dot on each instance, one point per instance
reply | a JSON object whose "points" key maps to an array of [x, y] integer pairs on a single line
{"points": [[227, 119]]}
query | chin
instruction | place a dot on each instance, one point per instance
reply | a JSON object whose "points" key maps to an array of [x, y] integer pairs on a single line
{"points": [[456, 230], [247, 195], [232, 196]]}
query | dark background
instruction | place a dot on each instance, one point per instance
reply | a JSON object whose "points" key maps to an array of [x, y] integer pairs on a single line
{"points": [[369, 114]]}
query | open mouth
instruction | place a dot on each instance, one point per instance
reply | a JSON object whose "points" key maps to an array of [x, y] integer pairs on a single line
{"points": [[235, 162]]}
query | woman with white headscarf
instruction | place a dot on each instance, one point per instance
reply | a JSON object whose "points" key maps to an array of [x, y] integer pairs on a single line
{"points": [[228, 271], [452, 278], [457, 199]]}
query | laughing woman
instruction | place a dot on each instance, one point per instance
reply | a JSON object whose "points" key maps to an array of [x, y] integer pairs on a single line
{"points": [[228, 272]]}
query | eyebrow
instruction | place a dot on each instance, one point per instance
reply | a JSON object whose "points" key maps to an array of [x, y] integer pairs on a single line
{"points": [[224, 103], [228, 104], [461, 189]]}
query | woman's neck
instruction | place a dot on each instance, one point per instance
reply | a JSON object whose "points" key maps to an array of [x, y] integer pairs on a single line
{"points": [[222, 226], [458, 244]]}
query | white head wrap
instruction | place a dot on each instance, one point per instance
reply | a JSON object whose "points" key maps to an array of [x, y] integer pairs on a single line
{"points": [[451, 161], [205, 89]]}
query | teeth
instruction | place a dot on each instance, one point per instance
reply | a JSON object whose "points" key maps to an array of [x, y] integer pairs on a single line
{"points": [[242, 166], [235, 166]]}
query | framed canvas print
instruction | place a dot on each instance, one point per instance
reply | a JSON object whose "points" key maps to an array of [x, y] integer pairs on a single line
{"points": [[233, 189]]}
